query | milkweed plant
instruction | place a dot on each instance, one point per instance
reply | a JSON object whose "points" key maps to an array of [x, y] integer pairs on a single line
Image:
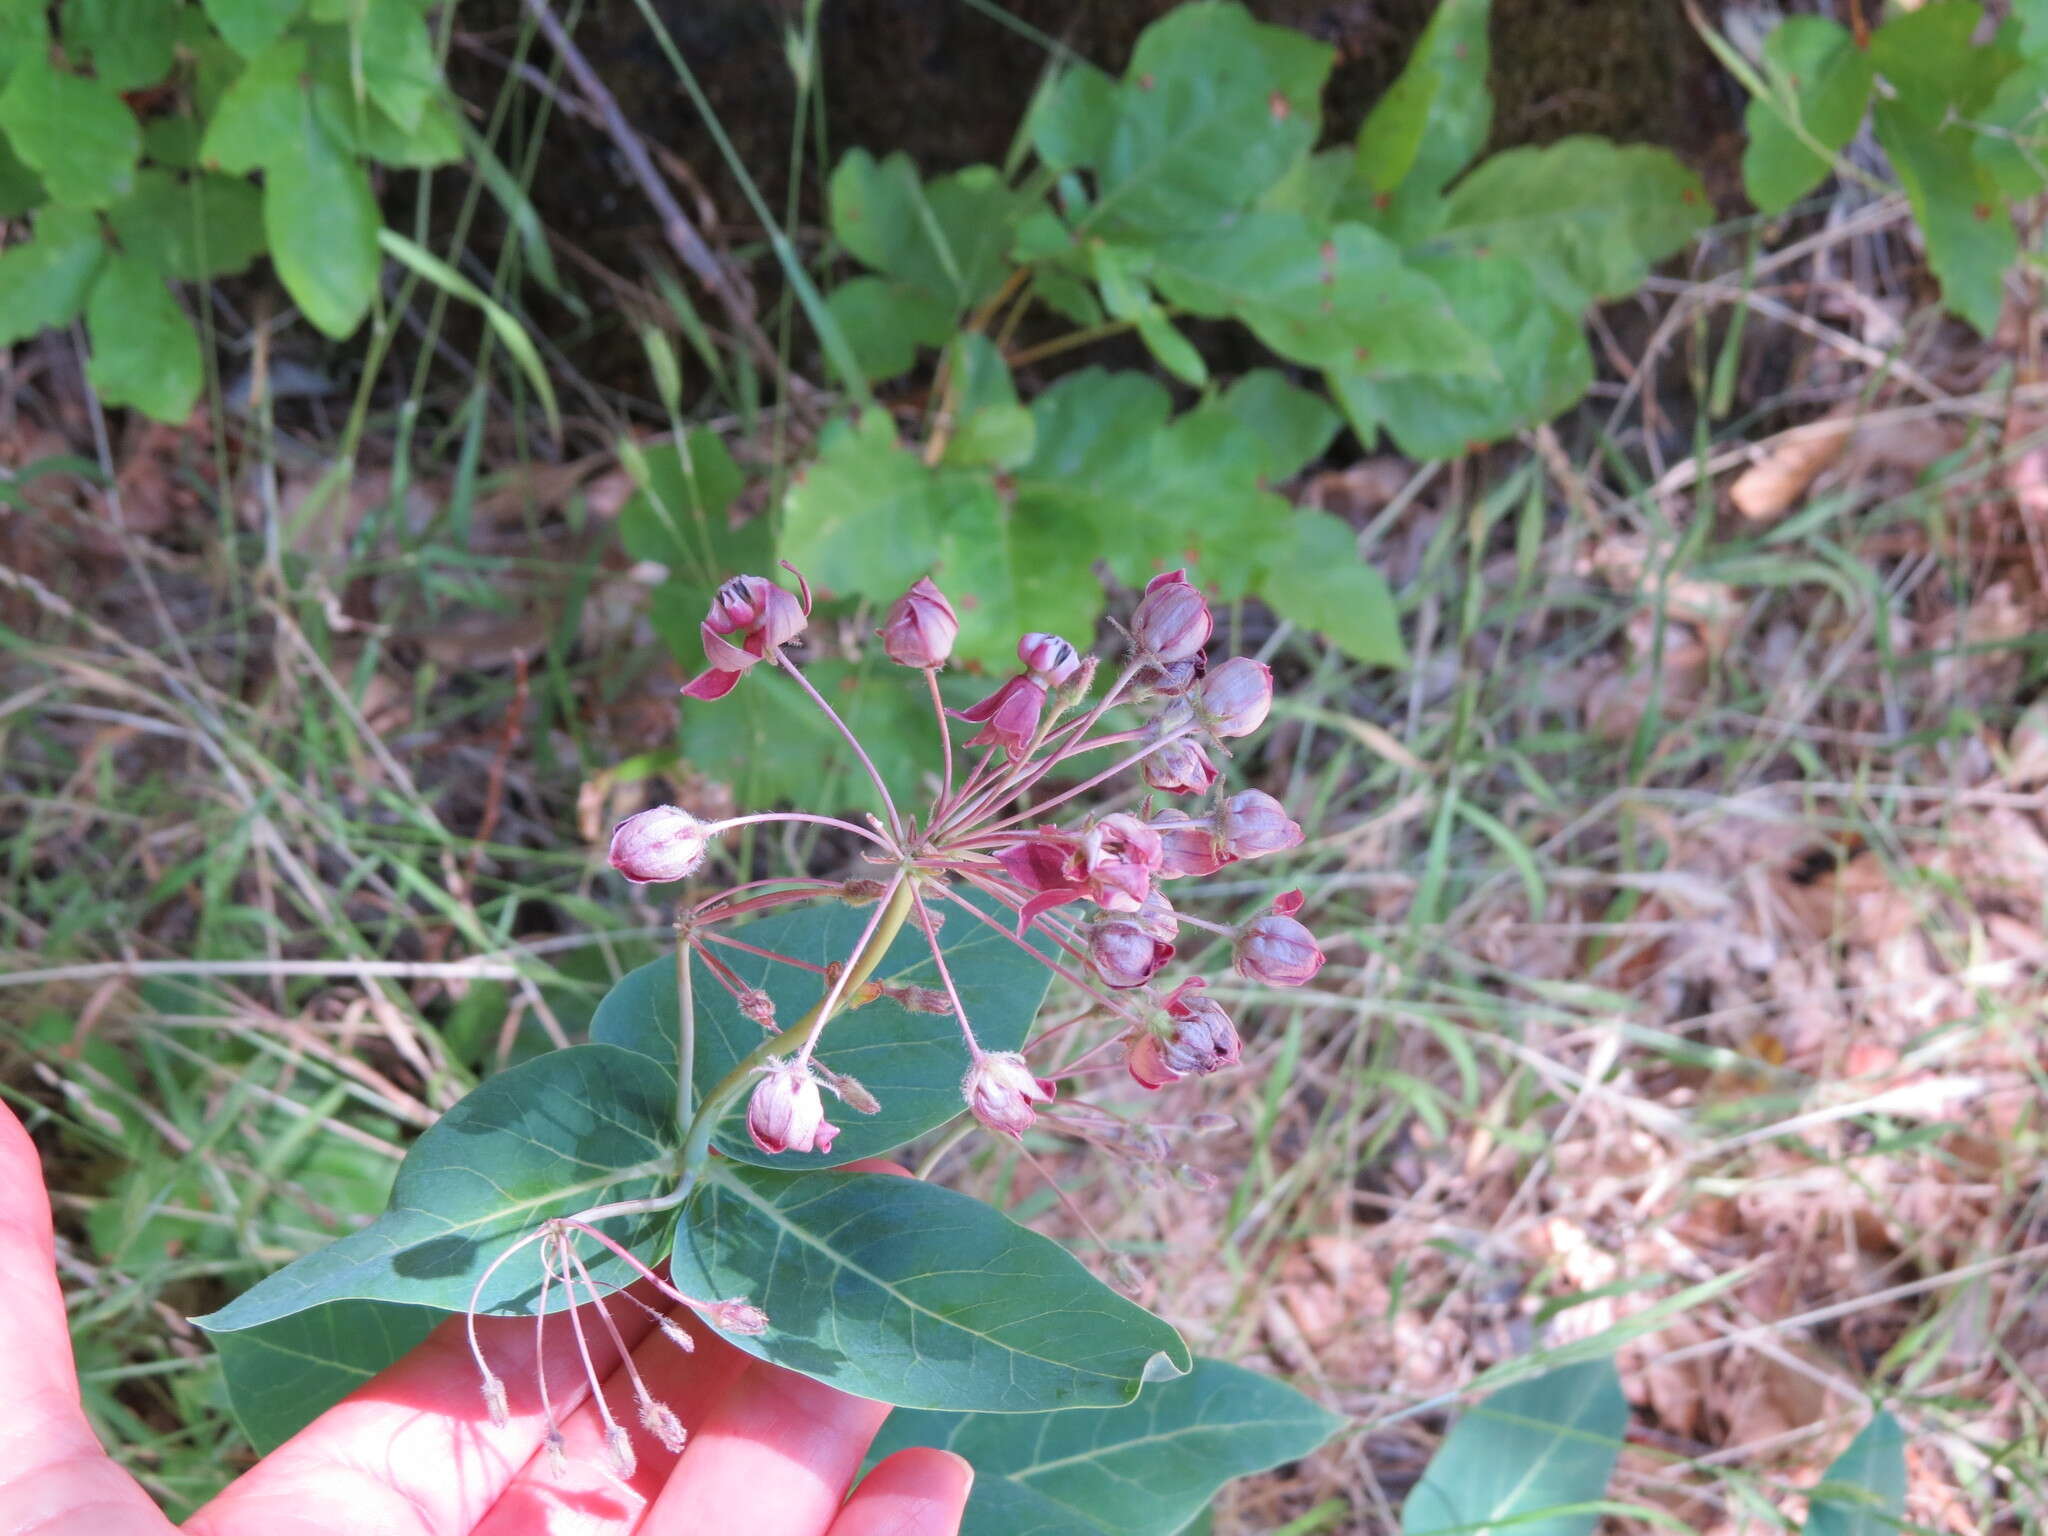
{"points": [[695, 1150]]}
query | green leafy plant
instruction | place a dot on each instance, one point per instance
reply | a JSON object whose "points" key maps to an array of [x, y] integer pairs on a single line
{"points": [[132, 138], [690, 1131], [1962, 122], [1437, 300]]}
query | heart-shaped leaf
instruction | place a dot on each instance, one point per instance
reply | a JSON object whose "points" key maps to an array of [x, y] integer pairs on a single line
{"points": [[283, 1375], [1142, 1470], [569, 1130], [911, 1062], [898, 1290], [1532, 1456]]}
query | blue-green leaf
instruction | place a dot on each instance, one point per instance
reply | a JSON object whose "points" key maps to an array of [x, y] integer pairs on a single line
{"points": [[1142, 1470], [560, 1133], [283, 1375], [1864, 1492], [912, 1062], [898, 1290], [1547, 1444]]}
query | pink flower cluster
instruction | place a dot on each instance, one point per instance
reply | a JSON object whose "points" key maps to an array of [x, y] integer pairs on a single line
{"points": [[1097, 888]]}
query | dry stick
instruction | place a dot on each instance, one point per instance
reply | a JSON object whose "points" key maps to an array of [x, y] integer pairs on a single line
{"points": [[681, 234]]}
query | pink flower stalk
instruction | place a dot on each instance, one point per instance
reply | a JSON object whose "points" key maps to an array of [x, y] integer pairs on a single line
{"points": [[1128, 949], [758, 616], [1188, 845], [662, 844], [1234, 698], [1252, 823], [1009, 717], [787, 1112], [1193, 1038], [1276, 949], [1172, 622], [920, 627], [1000, 1090]]}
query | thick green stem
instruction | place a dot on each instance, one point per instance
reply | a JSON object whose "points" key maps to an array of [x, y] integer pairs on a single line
{"points": [[697, 1145]]}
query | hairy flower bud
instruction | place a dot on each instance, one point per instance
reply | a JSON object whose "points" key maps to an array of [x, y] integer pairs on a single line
{"points": [[1180, 767], [1276, 949], [1172, 622], [1193, 1038], [1000, 1090], [737, 1317], [1188, 845], [1048, 658], [920, 627], [787, 1112], [1128, 949], [666, 843], [1234, 698], [1252, 823], [660, 1421]]}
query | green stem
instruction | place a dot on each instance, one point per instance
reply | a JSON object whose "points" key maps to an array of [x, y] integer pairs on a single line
{"points": [[697, 1146]]}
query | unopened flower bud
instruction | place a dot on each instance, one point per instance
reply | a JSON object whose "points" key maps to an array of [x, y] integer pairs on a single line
{"points": [[848, 1090], [1234, 698], [1276, 949], [1128, 949], [558, 1452], [1000, 1090], [676, 1334], [1211, 1123], [758, 1006], [1187, 845], [920, 627], [666, 843], [1172, 622], [1252, 823], [1180, 767], [1048, 658], [1194, 1038], [915, 999], [787, 1113], [737, 1317]]}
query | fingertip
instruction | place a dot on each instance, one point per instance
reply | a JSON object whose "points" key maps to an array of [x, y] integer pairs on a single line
{"points": [[921, 1491]]}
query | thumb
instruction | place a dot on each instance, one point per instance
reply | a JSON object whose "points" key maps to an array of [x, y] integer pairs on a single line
{"points": [[53, 1473]]}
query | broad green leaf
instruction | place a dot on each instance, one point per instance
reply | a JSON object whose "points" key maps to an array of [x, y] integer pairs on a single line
{"points": [[144, 353], [558, 1134], [1072, 122], [1820, 83], [262, 114], [20, 188], [1961, 213], [1539, 351], [322, 222], [869, 517], [1214, 109], [1549, 1443], [399, 68], [283, 1375], [1933, 60], [1142, 1470], [946, 237], [436, 140], [172, 142], [24, 33], [1118, 276], [2011, 144], [773, 746], [128, 41], [1863, 1493], [194, 229], [898, 1290], [44, 281], [1338, 300], [988, 425], [1293, 426], [1588, 218], [501, 321], [76, 134], [1312, 575], [911, 1062], [676, 516], [250, 26], [1431, 121], [885, 322]]}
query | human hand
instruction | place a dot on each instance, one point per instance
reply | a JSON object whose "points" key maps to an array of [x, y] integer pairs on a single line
{"points": [[414, 1453]]}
